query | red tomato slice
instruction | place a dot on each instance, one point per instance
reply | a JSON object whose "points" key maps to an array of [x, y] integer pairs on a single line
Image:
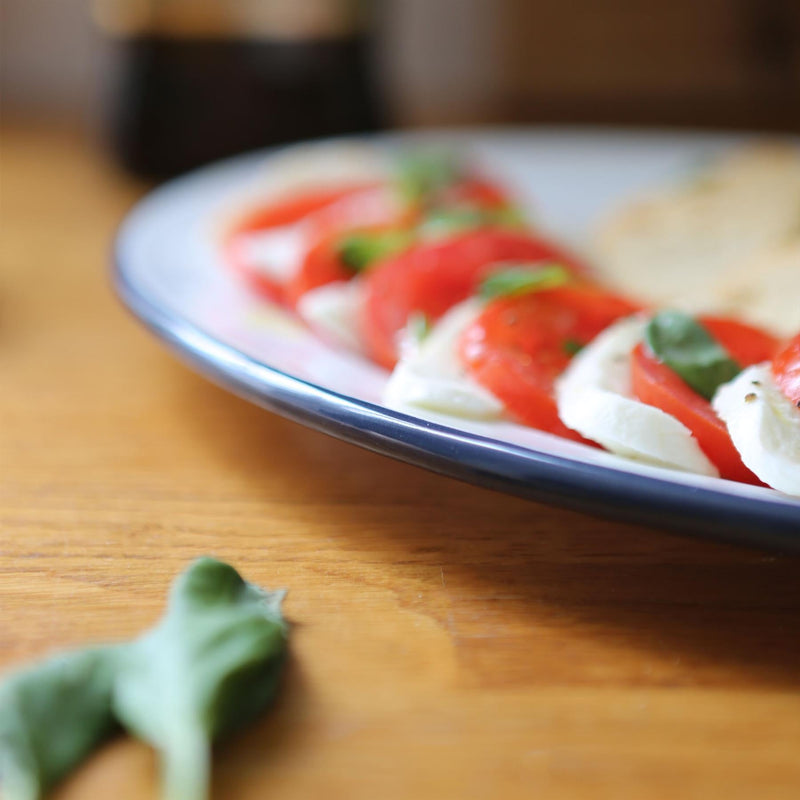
{"points": [[475, 191], [657, 385], [372, 207], [237, 260], [322, 265], [786, 370], [747, 345], [519, 345], [287, 211], [295, 207], [432, 277]]}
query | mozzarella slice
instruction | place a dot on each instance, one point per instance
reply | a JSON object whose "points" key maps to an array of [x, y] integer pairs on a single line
{"points": [[277, 253], [430, 376], [764, 426], [333, 311], [594, 398]]}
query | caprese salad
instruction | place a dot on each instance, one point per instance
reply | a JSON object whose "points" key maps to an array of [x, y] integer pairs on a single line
{"points": [[430, 269]]}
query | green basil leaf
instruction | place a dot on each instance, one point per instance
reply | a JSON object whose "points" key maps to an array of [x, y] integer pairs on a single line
{"points": [[689, 350], [441, 222], [507, 217], [572, 347], [359, 251], [210, 665], [419, 325], [444, 222], [523, 278], [422, 175], [52, 715]]}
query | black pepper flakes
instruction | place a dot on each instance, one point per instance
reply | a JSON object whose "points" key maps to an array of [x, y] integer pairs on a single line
{"points": [[750, 397]]}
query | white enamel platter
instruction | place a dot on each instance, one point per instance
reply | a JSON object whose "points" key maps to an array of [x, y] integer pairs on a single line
{"points": [[168, 271]]}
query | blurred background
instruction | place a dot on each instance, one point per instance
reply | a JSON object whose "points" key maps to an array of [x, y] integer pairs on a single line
{"points": [[172, 83]]}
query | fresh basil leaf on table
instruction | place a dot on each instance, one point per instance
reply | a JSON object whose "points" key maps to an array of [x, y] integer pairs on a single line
{"points": [[52, 715], [210, 666]]}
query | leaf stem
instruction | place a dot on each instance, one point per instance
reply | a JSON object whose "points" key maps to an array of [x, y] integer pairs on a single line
{"points": [[186, 768]]}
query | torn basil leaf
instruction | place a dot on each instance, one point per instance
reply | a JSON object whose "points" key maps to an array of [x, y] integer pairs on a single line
{"points": [[421, 175], [443, 222], [572, 347], [523, 278], [52, 715], [418, 326], [210, 666], [359, 251], [689, 350]]}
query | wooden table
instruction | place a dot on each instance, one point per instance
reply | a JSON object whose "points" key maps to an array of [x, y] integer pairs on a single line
{"points": [[448, 642]]}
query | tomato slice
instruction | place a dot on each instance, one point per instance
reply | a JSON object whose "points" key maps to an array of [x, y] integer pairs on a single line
{"points": [[786, 370], [519, 345], [431, 277], [294, 207], [476, 192], [657, 385], [377, 206], [747, 345], [322, 265], [328, 211], [236, 258], [372, 210], [328, 204]]}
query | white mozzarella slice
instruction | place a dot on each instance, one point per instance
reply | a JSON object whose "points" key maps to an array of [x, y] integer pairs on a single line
{"points": [[764, 426], [595, 399], [277, 252], [333, 311], [430, 376]]}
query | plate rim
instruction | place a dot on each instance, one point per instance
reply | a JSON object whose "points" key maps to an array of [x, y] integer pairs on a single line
{"points": [[551, 479]]}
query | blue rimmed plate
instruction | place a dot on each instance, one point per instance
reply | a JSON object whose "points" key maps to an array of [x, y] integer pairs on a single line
{"points": [[168, 271]]}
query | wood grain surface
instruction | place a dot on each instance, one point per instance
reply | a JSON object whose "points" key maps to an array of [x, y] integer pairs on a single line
{"points": [[448, 642]]}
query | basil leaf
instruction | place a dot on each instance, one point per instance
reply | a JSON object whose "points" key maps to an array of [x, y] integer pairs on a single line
{"points": [[210, 665], [506, 216], [418, 325], [447, 221], [359, 251], [52, 715], [422, 175], [689, 350], [523, 278], [572, 347], [443, 221]]}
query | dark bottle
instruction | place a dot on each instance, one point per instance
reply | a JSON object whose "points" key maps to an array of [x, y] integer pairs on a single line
{"points": [[196, 80]]}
